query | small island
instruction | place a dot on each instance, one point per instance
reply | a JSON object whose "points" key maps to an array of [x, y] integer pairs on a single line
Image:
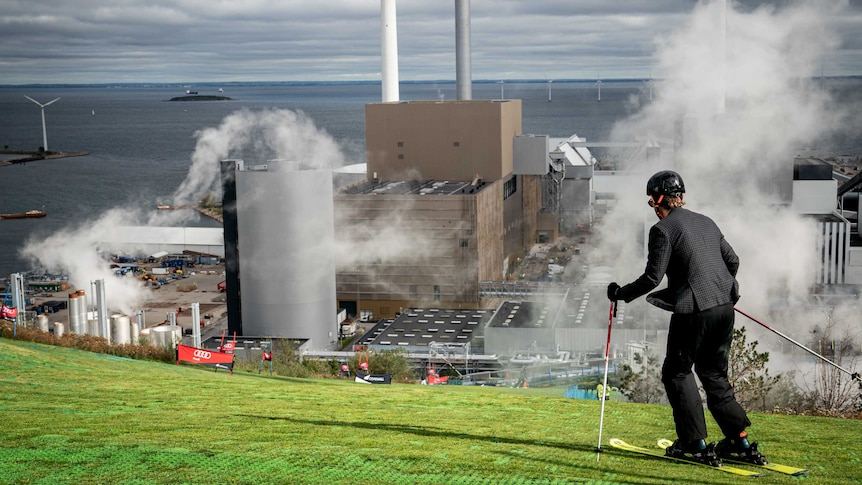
{"points": [[196, 97]]}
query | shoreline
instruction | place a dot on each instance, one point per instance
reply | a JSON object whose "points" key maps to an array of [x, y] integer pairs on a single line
{"points": [[33, 156], [216, 216]]}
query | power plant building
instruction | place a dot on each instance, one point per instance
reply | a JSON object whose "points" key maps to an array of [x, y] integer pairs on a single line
{"points": [[440, 176]]}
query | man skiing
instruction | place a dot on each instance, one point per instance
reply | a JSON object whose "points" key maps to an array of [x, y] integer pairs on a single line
{"points": [[701, 271]]}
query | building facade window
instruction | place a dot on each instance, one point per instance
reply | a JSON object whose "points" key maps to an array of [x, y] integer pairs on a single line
{"points": [[510, 187], [436, 292]]}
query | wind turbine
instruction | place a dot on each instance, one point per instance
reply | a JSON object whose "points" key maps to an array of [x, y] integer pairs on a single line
{"points": [[44, 132], [599, 84], [549, 89], [502, 92], [649, 85]]}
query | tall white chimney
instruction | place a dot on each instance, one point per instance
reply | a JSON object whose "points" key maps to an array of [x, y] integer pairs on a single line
{"points": [[389, 39], [463, 75]]}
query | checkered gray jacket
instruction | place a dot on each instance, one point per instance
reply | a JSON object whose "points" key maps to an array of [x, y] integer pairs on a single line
{"points": [[699, 263]]}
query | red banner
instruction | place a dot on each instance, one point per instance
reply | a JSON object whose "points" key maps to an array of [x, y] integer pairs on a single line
{"points": [[8, 312], [195, 355]]}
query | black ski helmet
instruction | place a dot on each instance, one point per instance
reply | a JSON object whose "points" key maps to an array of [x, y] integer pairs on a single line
{"points": [[667, 183]]}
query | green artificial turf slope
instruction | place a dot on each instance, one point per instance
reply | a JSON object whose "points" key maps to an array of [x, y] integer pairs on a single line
{"points": [[69, 416]]}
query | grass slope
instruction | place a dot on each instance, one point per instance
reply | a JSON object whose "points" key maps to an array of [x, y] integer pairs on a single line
{"points": [[75, 417]]}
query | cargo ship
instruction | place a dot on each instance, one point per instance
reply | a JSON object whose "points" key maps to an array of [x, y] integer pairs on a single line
{"points": [[24, 215]]}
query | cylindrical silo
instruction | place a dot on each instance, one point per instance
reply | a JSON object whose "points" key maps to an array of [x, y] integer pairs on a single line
{"points": [[135, 333], [82, 314], [286, 236], [92, 327], [42, 322], [59, 329], [165, 336], [120, 329], [74, 317], [145, 335]]}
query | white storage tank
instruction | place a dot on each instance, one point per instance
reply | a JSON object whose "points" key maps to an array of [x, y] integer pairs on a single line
{"points": [[82, 314], [59, 329], [286, 232], [120, 329], [165, 336], [144, 333], [74, 316], [42, 323]]}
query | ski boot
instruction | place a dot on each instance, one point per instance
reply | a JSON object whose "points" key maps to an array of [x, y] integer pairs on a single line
{"points": [[740, 449], [696, 450]]}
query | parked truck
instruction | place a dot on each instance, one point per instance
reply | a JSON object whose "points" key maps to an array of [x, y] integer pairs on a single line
{"points": [[348, 328]]}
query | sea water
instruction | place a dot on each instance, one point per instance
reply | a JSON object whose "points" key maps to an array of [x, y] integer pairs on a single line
{"points": [[140, 144]]}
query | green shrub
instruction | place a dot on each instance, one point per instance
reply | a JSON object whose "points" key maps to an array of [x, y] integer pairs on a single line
{"points": [[88, 343]]}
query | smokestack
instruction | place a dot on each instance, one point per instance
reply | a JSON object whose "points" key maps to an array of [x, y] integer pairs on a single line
{"points": [[463, 73], [389, 39]]}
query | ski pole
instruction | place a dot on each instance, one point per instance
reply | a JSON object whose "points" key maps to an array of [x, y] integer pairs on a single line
{"points": [[853, 375], [611, 312]]}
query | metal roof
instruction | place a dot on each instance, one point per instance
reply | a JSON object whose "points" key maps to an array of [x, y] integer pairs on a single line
{"points": [[414, 187], [418, 327], [527, 314]]}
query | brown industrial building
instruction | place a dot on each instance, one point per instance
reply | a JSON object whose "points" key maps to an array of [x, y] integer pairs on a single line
{"points": [[440, 173]]}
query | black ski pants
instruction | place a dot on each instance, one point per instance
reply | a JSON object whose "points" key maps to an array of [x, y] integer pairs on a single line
{"points": [[701, 340]]}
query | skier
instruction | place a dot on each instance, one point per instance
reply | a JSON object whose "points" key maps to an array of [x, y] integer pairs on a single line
{"points": [[701, 267]]}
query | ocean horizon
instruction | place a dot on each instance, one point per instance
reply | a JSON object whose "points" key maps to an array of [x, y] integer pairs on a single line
{"points": [[358, 82]]}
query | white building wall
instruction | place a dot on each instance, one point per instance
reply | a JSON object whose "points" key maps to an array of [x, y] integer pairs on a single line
{"points": [[814, 196], [853, 268]]}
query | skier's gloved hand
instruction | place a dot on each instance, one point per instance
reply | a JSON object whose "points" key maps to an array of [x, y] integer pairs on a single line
{"points": [[612, 291]]}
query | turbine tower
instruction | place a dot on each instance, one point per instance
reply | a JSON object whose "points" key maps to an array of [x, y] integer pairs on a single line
{"points": [[502, 91], [44, 132], [549, 89], [648, 82], [599, 84]]}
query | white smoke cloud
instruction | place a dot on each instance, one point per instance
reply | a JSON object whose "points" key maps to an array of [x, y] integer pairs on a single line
{"points": [[75, 252], [257, 136], [742, 122]]}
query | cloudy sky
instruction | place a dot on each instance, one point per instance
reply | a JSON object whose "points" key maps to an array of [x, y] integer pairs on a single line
{"points": [[99, 41]]}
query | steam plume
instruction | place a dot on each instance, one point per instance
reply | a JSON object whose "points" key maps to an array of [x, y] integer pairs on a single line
{"points": [[258, 136], [737, 165]]}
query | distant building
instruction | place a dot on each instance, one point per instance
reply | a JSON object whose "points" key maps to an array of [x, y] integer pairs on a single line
{"points": [[440, 174]]}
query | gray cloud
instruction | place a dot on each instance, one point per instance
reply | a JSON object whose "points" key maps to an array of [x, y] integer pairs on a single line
{"points": [[89, 41]]}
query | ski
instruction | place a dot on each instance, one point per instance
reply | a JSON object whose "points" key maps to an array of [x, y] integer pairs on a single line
{"points": [[785, 469], [622, 445]]}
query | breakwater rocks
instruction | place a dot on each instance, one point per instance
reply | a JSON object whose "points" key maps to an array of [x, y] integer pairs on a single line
{"points": [[32, 156]]}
